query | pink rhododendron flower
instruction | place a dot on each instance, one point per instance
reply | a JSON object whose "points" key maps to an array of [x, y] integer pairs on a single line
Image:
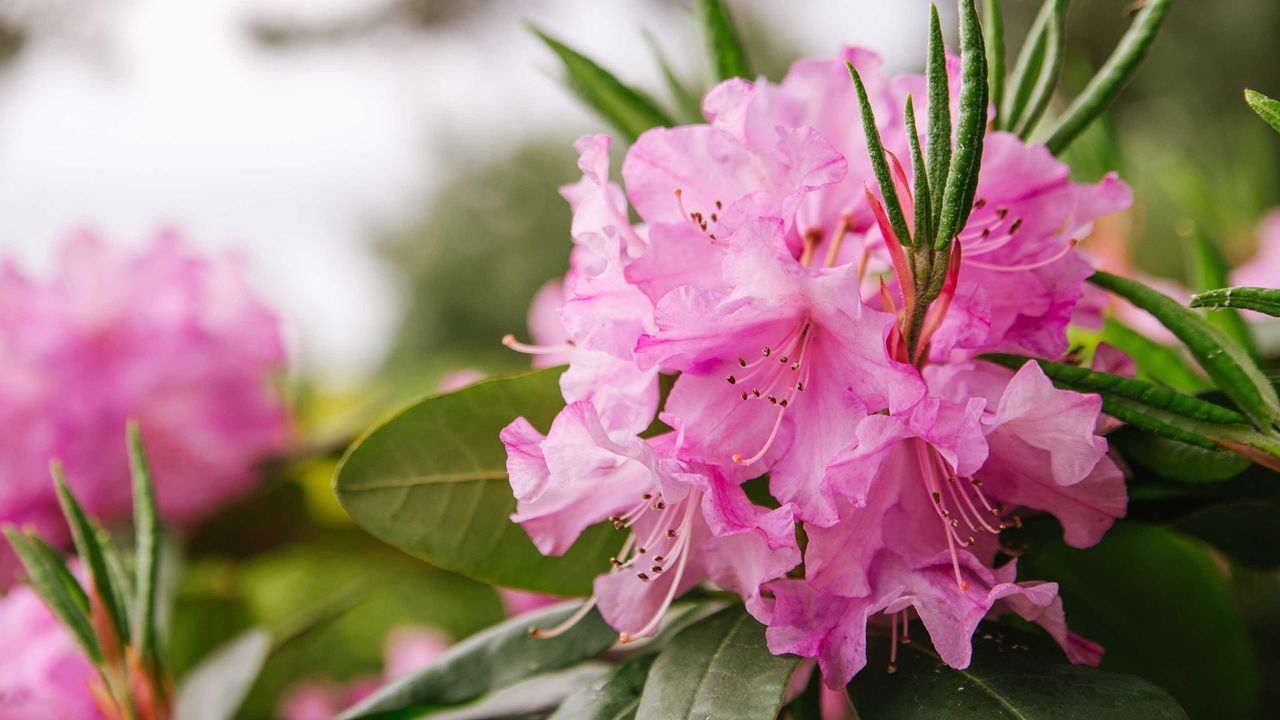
{"points": [[178, 342], [43, 674], [1263, 269], [685, 521], [778, 293]]}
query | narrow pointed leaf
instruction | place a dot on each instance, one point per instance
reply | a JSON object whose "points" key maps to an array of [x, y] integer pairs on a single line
{"points": [[719, 668], [1221, 357], [1108, 385], [688, 104], [1207, 270], [1110, 78], [146, 527], [1175, 460], [215, 688], [728, 55], [627, 109], [1041, 84], [939, 120], [1267, 108], [432, 481], [85, 536], [971, 128], [875, 148], [616, 697], [1014, 675], [1158, 363], [493, 659], [921, 232], [993, 25], [49, 577], [1263, 300]]}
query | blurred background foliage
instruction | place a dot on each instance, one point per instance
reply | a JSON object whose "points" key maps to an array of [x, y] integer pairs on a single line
{"points": [[472, 253]]}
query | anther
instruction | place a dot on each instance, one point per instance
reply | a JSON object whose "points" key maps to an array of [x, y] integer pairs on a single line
{"points": [[657, 558], [955, 522], [765, 351], [656, 568], [795, 366], [719, 205], [732, 380], [641, 551], [773, 400], [659, 505], [1002, 212], [742, 362], [671, 533], [755, 391], [969, 541], [783, 359], [1014, 227], [744, 394], [976, 482], [937, 497], [615, 562], [893, 668], [782, 402], [643, 577], [981, 203], [647, 496], [800, 386]]}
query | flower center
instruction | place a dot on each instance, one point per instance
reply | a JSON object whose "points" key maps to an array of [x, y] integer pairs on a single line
{"points": [[778, 376]]}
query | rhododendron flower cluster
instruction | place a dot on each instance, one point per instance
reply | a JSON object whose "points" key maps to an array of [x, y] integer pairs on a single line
{"points": [[177, 342], [766, 278]]}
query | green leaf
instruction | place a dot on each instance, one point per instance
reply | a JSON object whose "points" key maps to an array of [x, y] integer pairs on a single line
{"points": [[971, 129], [1175, 460], [1110, 78], [1159, 363], [1014, 675], [1263, 300], [875, 149], [627, 109], [719, 667], [688, 103], [728, 56], [993, 25], [215, 688], [1161, 606], [493, 659], [432, 481], [52, 580], [939, 118], [1036, 73], [86, 538], [1207, 270], [1221, 357], [146, 527], [1267, 108], [616, 697]]}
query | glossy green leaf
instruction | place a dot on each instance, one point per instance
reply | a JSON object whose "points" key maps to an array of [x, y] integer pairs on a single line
{"points": [[615, 697], [719, 667], [146, 527], [1263, 300], [971, 129], [1221, 357], [993, 26], [1014, 675], [1160, 605], [215, 688], [728, 55], [49, 576], [1035, 74], [879, 164], [432, 481], [1158, 363], [627, 109], [1208, 270], [84, 534], [1110, 78], [493, 659], [939, 124], [1267, 108]]}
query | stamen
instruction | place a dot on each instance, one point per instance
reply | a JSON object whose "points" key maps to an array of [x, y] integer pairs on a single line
{"points": [[837, 239], [811, 239], [1071, 245], [683, 556], [782, 404], [511, 342], [893, 643], [569, 622]]}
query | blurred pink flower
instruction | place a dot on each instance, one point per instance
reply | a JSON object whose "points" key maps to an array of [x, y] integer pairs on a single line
{"points": [[42, 671], [1263, 269], [519, 602], [178, 342]]}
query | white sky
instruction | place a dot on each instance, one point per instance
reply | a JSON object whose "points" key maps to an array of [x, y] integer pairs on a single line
{"points": [[129, 114]]}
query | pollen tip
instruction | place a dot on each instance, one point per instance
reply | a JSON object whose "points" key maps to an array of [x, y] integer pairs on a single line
{"points": [[737, 457], [623, 637], [508, 339], [964, 586], [893, 668]]}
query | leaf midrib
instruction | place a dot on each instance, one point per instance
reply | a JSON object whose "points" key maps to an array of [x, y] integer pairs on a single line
{"points": [[715, 656], [436, 479], [973, 679]]}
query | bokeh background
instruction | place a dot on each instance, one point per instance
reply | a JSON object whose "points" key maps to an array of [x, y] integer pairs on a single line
{"points": [[388, 169]]}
